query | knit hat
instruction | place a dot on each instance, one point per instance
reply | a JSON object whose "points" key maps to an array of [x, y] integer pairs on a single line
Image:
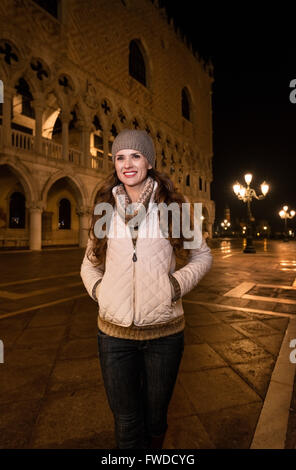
{"points": [[137, 140]]}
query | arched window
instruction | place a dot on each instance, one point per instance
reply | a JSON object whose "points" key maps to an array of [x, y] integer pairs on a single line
{"points": [[57, 128], [137, 67], [23, 89], [64, 214], [188, 180], [185, 104], [17, 210]]}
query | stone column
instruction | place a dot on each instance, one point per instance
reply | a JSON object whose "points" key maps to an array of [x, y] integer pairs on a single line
{"points": [[6, 119], [106, 150], [85, 130], [35, 226], [84, 224], [65, 118], [39, 108]]}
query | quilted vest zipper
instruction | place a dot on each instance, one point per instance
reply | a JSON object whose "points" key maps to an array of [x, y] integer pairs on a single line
{"points": [[134, 260]]}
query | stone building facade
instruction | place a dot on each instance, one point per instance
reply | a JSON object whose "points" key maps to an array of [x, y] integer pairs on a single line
{"points": [[73, 78]]}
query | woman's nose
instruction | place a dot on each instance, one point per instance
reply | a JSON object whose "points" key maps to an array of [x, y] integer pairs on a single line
{"points": [[127, 163]]}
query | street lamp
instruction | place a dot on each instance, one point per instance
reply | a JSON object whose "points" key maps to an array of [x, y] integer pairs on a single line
{"points": [[246, 194], [225, 224], [284, 215]]}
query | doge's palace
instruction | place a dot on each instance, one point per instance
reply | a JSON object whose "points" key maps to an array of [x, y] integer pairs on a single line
{"points": [[74, 75]]}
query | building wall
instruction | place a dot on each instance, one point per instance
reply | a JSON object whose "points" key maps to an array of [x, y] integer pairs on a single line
{"points": [[79, 64]]}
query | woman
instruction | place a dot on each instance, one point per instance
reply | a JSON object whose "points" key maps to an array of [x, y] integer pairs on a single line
{"points": [[132, 276]]}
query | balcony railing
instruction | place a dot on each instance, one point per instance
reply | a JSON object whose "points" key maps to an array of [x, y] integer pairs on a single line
{"points": [[52, 150], [22, 140]]}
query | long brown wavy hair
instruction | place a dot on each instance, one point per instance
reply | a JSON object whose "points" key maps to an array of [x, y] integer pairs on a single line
{"points": [[166, 192]]}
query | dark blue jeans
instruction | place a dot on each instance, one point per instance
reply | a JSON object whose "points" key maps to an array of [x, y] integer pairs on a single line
{"points": [[139, 378]]}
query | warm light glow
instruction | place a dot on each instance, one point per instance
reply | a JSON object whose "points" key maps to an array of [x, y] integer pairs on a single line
{"points": [[244, 228], [285, 208], [236, 188], [282, 213], [292, 213], [248, 178], [258, 234], [202, 217], [264, 188], [242, 191], [265, 228]]}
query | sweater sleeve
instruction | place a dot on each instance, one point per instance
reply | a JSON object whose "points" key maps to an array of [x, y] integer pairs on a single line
{"points": [[91, 275], [199, 263]]}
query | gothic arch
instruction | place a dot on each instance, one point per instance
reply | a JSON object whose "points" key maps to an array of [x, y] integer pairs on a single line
{"points": [[74, 181], [26, 178], [141, 71]]}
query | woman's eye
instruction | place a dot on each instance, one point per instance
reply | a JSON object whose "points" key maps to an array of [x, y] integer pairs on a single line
{"points": [[137, 156]]}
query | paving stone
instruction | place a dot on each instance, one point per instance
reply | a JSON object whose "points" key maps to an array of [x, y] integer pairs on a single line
{"points": [[42, 318], [43, 337], [254, 328], [190, 337], [17, 322], [240, 351], [9, 337], [262, 316], [215, 389], [74, 374], [257, 373], [19, 384], [280, 324], [79, 348], [200, 356], [16, 423], [186, 433], [285, 308], [220, 426], [180, 405], [272, 343], [230, 316], [261, 305], [21, 358], [201, 318], [68, 420], [216, 333], [234, 302]]}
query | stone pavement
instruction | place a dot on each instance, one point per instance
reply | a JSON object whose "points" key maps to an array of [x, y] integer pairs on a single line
{"points": [[238, 322]]}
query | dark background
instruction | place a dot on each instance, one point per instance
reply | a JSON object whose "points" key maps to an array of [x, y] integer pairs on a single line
{"points": [[254, 56]]}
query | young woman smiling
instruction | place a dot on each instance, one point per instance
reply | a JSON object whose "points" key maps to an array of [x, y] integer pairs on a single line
{"points": [[133, 278]]}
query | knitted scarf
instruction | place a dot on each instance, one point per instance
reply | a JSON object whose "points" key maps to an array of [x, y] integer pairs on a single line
{"points": [[128, 209]]}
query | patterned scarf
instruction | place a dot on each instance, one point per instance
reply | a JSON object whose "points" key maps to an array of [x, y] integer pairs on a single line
{"points": [[128, 209]]}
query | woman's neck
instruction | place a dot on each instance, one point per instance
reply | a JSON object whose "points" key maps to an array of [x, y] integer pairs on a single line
{"points": [[134, 191]]}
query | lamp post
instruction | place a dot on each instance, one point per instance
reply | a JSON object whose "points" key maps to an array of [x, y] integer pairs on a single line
{"points": [[246, 194], [284, 215], [225, 224]]}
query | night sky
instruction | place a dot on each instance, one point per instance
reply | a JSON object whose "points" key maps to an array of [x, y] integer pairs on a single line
{"points": [[254, 122]]}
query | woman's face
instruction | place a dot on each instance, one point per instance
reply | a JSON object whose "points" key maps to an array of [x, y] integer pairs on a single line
{"points": [[131, 167]]}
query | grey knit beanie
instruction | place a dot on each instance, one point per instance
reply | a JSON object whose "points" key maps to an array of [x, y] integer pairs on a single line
{"points": [[137, 140]]}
